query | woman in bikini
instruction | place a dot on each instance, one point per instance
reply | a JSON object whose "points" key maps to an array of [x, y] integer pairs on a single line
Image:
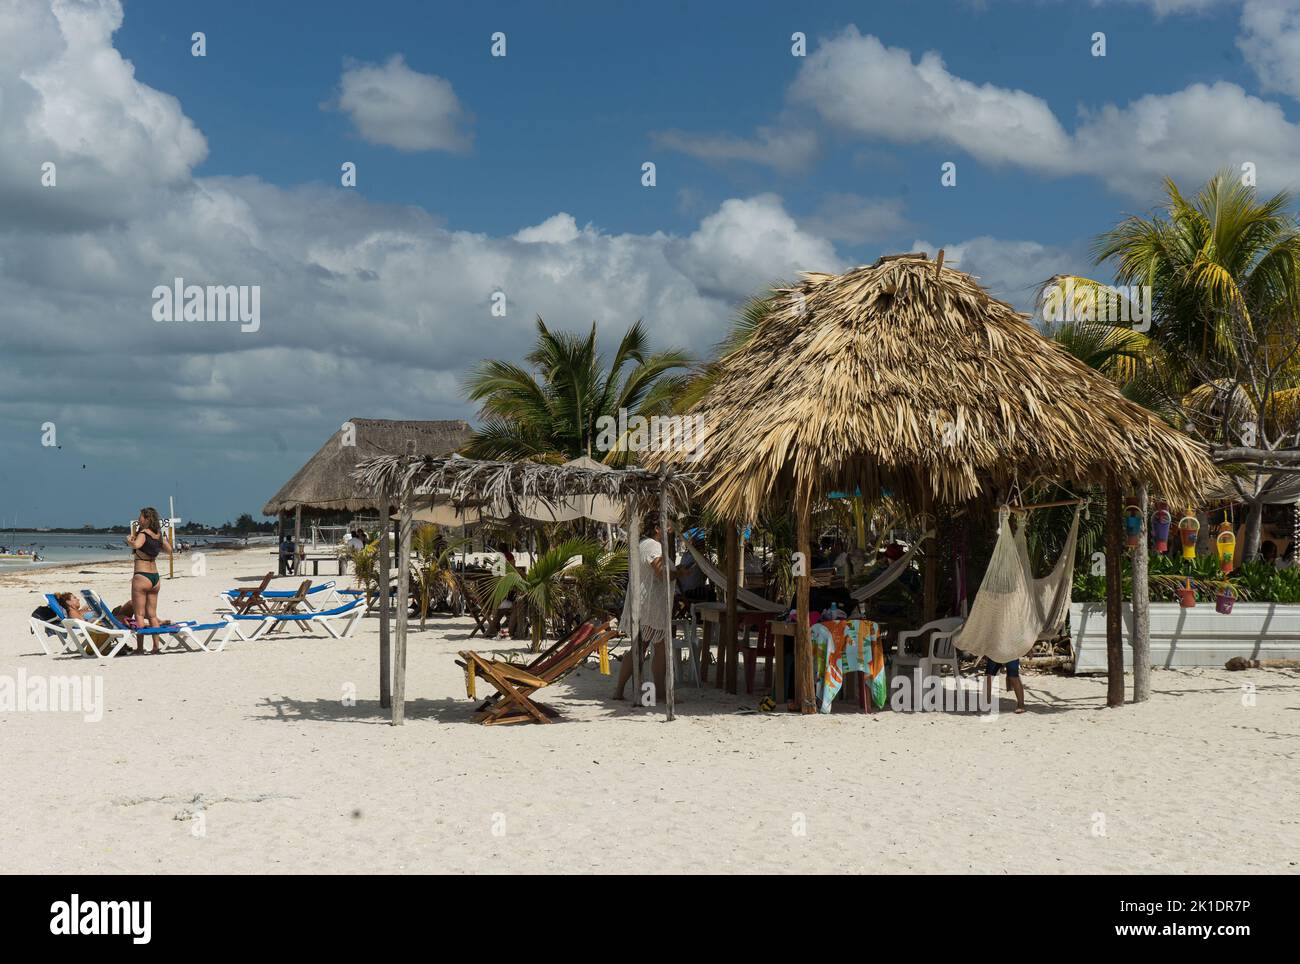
{"points": [[146, 542]]}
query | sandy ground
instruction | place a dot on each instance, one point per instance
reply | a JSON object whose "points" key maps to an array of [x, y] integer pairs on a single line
{"points": [[251, 761]]}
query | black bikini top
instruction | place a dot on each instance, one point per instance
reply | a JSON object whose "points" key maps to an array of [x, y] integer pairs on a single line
{"points": [[151, 547]]}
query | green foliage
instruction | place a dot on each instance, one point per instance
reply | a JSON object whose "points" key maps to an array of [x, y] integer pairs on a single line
{"points": [[543, 589], [551, 412], [435, 581], [1254, 581]]}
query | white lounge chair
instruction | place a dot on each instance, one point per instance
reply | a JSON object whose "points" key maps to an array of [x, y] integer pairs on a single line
{"points": [[186, 633], [47, 630], [81, 633], [350, 613]]}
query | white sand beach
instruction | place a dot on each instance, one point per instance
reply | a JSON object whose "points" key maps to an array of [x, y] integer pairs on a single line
{"points": [[289, 778]]}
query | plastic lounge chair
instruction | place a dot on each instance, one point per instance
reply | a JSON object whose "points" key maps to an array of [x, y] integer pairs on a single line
{"points": [[83, 633], [47, 630], [185, 633], [262, 624], [515, 685]]}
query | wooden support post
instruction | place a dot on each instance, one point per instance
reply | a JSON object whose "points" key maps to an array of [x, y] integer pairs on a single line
{"points": [[385, 557], [634, 596], [1114, 595], [803, 681], [929, 559], [297, 538], [403, 609], [1141, 640], [728, 646], [670, 648], [403, 597]]}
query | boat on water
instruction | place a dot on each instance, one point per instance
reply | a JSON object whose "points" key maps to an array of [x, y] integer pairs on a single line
{"points": [[15, 555]]}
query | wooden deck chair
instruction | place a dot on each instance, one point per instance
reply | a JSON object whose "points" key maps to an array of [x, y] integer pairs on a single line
{"points": [[515, 685], [289, 605], [246, 600], [478, 607]]}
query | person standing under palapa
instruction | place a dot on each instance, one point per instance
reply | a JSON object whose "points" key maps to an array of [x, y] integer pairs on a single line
{"points": [[652, 608]]}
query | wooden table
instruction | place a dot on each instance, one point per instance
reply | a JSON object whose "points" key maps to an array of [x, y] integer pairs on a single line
{"points": [[781, 632]]}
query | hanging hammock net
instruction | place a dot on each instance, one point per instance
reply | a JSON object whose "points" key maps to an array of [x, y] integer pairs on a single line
{"points": [[1013, 609]]}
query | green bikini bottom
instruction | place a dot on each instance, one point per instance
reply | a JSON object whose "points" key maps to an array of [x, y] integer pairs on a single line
{"points": [[151, 576]]}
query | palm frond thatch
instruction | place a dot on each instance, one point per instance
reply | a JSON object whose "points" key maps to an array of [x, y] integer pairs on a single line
{"points": [[325, 481], [902, 375], [469, 482]]}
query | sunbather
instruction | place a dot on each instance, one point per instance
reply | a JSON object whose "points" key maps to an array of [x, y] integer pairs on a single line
{"points": [[146, 541]]}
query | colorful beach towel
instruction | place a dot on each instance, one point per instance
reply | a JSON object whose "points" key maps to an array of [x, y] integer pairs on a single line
{"points": [[842, 646]]}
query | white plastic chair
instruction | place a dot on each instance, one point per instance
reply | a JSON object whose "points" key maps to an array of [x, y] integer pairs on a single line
{"points": [[942, 651], [690, 640]]}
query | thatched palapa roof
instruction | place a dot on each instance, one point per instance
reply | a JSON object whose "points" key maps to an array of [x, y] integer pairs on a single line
{"points": [[516, 485], [903, 375], [326, 481]]}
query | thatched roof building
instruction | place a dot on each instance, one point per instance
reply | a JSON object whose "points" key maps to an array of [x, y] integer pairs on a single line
{"points": [[327, 482], [908, 375]]}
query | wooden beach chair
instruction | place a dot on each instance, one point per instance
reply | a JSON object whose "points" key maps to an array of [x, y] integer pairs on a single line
{"points": [[515, 685], [244, 601], [288, 605], [478, 607]]}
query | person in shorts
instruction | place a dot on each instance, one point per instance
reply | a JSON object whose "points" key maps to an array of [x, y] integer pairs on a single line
{"points": [[991, 670]]}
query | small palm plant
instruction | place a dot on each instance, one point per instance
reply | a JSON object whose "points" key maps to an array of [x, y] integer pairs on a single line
{"points": [[365, 566], [545, 587], [433, 571]]}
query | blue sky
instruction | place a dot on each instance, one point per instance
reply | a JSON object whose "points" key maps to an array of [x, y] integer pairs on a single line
{"points": [[523, 174], [564, 121]]}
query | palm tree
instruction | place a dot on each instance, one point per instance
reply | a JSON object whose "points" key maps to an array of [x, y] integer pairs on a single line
{"points": [[1222, 354], [552, 411]]}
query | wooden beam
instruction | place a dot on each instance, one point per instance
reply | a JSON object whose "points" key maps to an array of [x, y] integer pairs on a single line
{"points": [[1114, 594], [297, 537], [929, 559], [1247, 454], [385, 640], [634, 595], [670, 649], [727, 646], [803, 681], [1141, 609], [403, 598]]}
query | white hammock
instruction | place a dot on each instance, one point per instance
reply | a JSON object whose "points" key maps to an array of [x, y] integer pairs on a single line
{"points": [[751, 599], [891, 572], [1013, 609]]}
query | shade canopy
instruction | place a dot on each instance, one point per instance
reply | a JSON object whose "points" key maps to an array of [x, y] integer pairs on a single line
{"points": [[564, 508], [906, 375], [533, 490], [326, 481]]}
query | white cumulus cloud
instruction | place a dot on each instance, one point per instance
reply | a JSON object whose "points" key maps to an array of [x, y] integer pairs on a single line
{"points": [[393, 105]]}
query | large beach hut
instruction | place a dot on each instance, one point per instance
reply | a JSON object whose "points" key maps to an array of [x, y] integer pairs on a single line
{"points": [[325, 481], [907, 375]]}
